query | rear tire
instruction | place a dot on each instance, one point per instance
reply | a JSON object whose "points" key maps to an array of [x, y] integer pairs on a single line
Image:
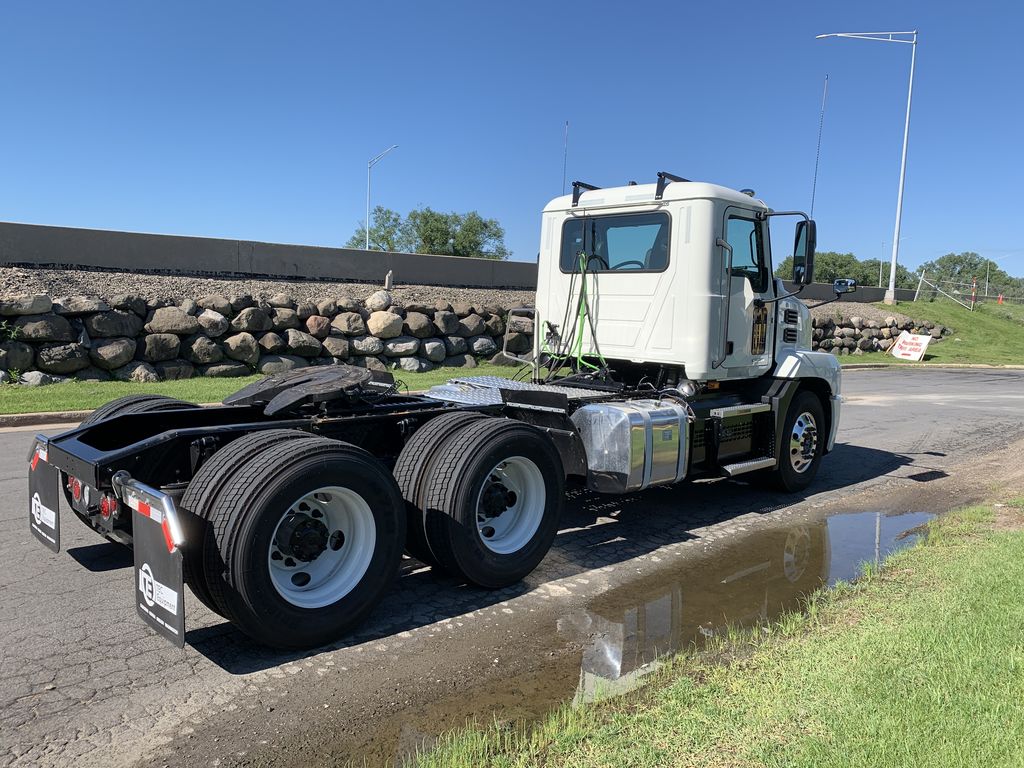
{"points": [[802, 444], [201, 496], [413, 473], [494, 501], [343, 559], [134, 404]]}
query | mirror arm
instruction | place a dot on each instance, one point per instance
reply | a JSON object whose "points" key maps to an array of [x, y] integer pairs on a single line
{"points": [[828, 301], [765, 302]]}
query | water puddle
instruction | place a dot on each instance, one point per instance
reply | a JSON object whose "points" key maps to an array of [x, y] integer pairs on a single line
{"points": [[746, 582]]}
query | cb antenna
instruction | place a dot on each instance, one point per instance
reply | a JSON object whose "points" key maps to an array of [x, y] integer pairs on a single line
{"points": [[565, 154], [817, 152]]}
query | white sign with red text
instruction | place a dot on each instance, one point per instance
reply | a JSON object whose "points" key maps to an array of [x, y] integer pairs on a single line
{"points": [[910, 346]]}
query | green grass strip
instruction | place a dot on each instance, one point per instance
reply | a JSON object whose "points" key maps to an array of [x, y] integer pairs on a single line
{"points": [[920, 664]]}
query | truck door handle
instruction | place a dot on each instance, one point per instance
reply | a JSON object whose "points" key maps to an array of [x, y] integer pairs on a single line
{"points": [[727, 297]]}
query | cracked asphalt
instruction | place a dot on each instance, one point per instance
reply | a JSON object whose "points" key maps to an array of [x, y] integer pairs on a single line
{"points": [[85, 683]]}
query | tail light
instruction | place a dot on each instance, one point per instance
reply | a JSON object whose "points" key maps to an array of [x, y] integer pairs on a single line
{"points": [[108, 506], [75, 486]]}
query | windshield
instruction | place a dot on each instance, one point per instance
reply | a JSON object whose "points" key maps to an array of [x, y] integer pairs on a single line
{"points": [[622, 243]]}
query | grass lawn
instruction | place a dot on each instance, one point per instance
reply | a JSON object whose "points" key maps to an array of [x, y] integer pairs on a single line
{"points": [[991, 334], [86, 395], [919, 664]]}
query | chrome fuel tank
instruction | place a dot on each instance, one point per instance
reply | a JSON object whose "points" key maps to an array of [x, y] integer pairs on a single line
{"points": [[634, 444]]}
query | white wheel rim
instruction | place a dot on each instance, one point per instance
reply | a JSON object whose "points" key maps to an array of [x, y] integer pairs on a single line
{"points": [[510, 506], [803, 442], [322, 547]]}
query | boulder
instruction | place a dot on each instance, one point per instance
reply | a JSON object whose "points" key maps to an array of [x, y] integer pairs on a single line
{"points": [[455, 345], [442, 306], [463, 309], [92, 373], [301, 343], [865, 344], [62, 358], [936, 332], [348, 303], [216, 303], [201, 350], [117, 322], [318, 326], [415, 364], [415, 306], [284, 318], [494, 309], [242, 347], [520, 324], [384, 325], [109, 354], [213, 323], [378, 301], [280, 363], [495, 325], [251, 319], [37, 379], [366, 345], [337, 346], [433, 350], [156, 302], [482, 346], [857, 322], [224, 370], [885, 344], [17, 355], [305, 310], [189, 307], [447, 322], [373, 363], [46, 327], [471, 325], [80, 305], [172, 320], [136, 371], [401, 346], [460, 361], [281, 300], [160, 346], [238, 303], [327, 307], [502, 359], [36, 304], [170, 370], [349, 324], [518, 343], [272, 343], [129, 302], [418, 325]]}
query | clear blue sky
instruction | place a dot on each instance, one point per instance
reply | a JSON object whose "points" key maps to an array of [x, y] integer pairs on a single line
{"points": [[255, 120]]}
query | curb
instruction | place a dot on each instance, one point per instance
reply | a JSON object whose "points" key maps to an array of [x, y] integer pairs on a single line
{"points": [[962, 366], [32, 419]]}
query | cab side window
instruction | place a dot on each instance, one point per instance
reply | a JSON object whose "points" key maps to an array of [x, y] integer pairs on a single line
{"points": [[748, 251]]}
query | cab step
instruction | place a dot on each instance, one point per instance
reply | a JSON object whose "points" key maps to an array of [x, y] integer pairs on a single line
{"points": [[747, 409], [750, 465]]}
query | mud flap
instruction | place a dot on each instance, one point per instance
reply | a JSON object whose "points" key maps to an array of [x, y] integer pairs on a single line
{"points": [[159, 576], [44, 497]]}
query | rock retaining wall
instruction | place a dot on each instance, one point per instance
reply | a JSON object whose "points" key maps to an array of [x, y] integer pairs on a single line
{"points": [[134, 338], [842, 335]]}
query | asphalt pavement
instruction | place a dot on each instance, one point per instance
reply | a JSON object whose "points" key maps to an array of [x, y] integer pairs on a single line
{"points": [[83, 682]]}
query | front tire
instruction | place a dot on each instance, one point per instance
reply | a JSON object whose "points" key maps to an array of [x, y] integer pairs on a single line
{"points": [[803, 443]]}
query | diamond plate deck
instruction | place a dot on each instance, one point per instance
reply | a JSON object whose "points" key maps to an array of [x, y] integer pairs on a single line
{"points": [[485, 390]]}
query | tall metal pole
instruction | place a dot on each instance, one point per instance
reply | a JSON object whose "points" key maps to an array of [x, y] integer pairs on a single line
{"points": [[890, 294], [369, 165]]}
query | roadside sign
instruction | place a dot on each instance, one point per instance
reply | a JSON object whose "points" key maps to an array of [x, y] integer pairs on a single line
{"points": [[910, 346]]}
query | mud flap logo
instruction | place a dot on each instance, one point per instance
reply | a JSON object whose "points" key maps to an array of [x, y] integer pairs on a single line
{"points": [[155, 593], [42, 514]]}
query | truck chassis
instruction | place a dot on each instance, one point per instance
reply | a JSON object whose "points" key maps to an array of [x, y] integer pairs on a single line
{"points": [[288, 508]]}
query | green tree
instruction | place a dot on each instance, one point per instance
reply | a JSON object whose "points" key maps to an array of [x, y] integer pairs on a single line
{"points": [[425, 230], [385, 232], [959, 270], [829, 265]]}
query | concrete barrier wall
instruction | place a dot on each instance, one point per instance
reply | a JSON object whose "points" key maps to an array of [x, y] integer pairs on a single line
{"points": [[37, 245], [863, 295]]}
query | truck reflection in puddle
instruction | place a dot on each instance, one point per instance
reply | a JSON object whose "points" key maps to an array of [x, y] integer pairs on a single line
{"points": [[749, 580]]}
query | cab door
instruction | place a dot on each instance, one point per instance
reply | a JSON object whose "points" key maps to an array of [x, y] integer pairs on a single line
{"points": [[751, 327]]}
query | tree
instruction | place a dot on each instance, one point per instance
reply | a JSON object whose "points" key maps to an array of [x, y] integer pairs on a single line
{"points": [[829, 265], [425, 230], [385, 232], [959, 270]]}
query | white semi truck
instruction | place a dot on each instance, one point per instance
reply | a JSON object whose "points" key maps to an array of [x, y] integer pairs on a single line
{"points": [[664, 350]]}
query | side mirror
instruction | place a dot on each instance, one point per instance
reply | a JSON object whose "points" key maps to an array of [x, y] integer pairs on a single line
{"points": [[803, 252], [844, 285]]}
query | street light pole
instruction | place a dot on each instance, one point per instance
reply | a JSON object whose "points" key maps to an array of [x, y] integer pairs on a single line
{"points": [[893, 37], [369, 166]]}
